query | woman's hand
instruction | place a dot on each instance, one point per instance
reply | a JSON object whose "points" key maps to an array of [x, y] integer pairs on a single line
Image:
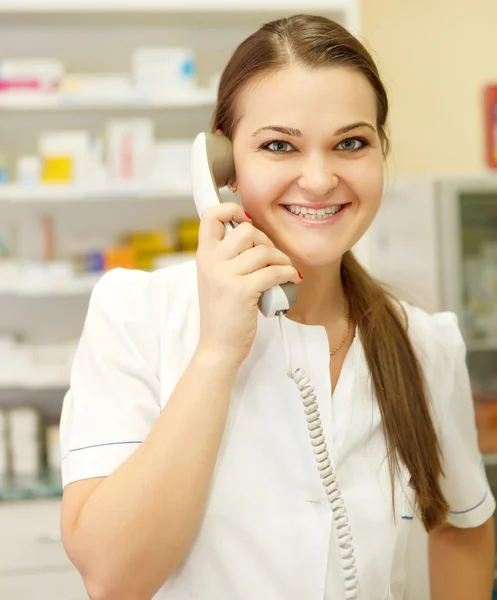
{"points": [[233, 272]]}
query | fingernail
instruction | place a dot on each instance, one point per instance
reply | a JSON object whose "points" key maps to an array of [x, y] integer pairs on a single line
{"points": [[248, 216], [300, 275]]}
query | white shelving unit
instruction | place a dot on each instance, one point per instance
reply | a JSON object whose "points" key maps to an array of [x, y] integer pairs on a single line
{"points": [[13, 195], [99, 36], [74, 286], [342, 9]]}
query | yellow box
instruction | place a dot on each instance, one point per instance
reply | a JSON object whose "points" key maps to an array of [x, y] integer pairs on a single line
{"points": [[154, 241], [57, 169], [188, 235]]}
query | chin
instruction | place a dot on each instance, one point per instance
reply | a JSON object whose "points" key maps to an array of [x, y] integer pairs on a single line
{"points": [[314, 258]]}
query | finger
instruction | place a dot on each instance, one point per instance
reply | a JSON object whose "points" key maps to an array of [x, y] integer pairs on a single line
{"points": [[259, 257], [242, 238], [211, 230], [262, 280]]}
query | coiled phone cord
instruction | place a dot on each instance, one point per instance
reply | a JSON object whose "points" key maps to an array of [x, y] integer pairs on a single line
{"points": [[326, 471]]}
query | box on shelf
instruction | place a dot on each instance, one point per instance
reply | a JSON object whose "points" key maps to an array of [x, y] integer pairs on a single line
{"points": [[26, 441], [4, 174], [53, 447], [30, 457], [130, 148], [171, 164], [30, 75], [29, 170], [107, 87], [164, 71], [148, 245], [132, 156], [69, 157], [120, 257], [188, 235], [28, 364], [4, 459]]}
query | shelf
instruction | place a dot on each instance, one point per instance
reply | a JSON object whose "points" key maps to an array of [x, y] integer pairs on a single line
{"points": [[43, 285], [75, 286], [171, 6], [129, 191], [47, 485], [49, 381], [33, 102]]}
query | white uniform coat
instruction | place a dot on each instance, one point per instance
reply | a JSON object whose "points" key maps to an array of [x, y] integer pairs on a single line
{"points": [[268, 531]]}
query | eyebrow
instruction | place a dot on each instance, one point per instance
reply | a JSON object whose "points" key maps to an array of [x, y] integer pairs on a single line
{"points": [[297, 133]]}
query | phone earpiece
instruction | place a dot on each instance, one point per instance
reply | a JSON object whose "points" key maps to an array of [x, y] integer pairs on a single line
{"points": [[213, 167]]}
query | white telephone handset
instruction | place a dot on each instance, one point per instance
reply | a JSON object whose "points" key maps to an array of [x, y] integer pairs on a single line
{"points": [[212, 168]]}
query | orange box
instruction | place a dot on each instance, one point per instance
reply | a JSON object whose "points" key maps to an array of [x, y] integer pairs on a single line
{"points": [[119, 257], [486, 423]]}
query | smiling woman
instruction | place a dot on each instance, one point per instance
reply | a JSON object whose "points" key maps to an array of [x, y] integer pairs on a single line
{"points": [[322, 87], [187, 470], [333, 160]]}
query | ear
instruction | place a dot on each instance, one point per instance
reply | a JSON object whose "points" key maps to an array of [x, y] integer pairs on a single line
{"points": [[219, 131], [385, 142]]}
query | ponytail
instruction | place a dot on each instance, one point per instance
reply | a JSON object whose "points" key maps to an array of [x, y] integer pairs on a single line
{"points": [[400, 389]]}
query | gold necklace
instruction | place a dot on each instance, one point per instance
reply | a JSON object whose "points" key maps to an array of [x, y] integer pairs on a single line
{"points": [[341, 344]]}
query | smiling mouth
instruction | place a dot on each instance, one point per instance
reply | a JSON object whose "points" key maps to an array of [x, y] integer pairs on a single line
{"points": [[315, 214]]}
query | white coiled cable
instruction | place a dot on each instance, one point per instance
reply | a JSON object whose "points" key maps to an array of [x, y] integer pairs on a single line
{"points": [[326, 471]]}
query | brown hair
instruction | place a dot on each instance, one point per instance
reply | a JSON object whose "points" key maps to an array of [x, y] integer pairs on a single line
{"points": [[397, 377]]}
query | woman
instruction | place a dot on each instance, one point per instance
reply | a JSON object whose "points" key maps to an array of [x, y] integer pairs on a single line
{"points": [[187, 464]]}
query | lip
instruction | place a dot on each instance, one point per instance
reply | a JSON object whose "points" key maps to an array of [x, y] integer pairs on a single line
{"points": [[331, 220], [316, 206]]}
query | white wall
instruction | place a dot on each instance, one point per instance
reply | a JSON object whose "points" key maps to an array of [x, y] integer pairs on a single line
{"points": [[435, 57]]}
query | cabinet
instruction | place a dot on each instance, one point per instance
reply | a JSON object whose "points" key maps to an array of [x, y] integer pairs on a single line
{"points": [[99, 37], [92, 36], [33, 563], [434, 243]]}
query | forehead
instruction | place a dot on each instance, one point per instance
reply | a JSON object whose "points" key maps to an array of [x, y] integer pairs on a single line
{"points": [[306, 98]]}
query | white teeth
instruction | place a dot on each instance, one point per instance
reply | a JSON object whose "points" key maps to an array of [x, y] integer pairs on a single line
{"points": [[312, 214]]}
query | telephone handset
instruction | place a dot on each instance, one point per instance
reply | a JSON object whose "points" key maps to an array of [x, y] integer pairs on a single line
{"points": [[212, 168]]}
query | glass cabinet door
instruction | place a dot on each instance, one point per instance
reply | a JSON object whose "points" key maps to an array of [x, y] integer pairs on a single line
{"points": [[478, 221], [478, 297]]}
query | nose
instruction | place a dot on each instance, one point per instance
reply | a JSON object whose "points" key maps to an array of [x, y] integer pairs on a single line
{"points": [[318, 175]]}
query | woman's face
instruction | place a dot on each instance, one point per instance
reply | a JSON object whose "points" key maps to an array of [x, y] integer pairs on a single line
{"points": [[306, 143]]}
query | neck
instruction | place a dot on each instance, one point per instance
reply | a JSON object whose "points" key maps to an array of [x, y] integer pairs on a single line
{"points": [[321, 299]]}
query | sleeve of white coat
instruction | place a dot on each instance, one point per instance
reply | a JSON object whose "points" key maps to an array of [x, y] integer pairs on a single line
{"points": [[465, 484], [113, 400]]}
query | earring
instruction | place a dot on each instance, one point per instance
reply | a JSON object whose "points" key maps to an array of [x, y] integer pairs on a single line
{"points": [[232, 187]]}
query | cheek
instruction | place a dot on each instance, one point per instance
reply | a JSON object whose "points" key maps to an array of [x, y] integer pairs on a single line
{"points": [[260, 184], [367, 181]]}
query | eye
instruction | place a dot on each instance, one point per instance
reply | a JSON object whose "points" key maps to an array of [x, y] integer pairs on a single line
{"points": [[352, 144], [278, 146]]}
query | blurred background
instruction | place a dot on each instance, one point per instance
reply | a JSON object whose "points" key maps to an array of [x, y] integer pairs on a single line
{"points": [[99, 103]]}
